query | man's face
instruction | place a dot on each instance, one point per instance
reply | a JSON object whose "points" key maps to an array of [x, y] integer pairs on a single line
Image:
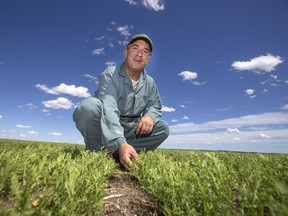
{"points": [[137, 55]]}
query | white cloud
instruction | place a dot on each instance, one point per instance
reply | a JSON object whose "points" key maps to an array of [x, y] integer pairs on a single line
{"points": [[272, 81], [250, 91], [99, 51], [131, 2], [185, 118], [124, 30], [199, 83], [1, 117], [188, 75], [156, 5], [284, 107], [32, 133], [91, 78], [110, 63], [221, 138], [79, 91], [263, 136], [22, 126], [101, 38], [264, 119], [56, 134], [233, 130], [264, 91], [167, 109], [59, 103], [259, 64], [30, 106]]}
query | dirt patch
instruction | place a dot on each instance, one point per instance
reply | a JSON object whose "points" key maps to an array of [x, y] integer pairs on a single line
{"points": [[124, 196]]}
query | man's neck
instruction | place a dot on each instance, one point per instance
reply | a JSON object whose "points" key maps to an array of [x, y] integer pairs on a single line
{"points": [[134, 75]]}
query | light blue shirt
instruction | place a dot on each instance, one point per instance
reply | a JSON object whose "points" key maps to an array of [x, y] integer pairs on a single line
{"points": [[120, 100]]}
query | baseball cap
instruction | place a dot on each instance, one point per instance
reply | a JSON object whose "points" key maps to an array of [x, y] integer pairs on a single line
{"points": [[142, 37]]}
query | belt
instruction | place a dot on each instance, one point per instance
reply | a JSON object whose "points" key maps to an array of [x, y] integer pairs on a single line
{"points": [[129, 119], [130, 116]]}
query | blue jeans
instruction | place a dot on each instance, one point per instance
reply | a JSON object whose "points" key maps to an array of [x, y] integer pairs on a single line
{"points": [[87, 118]]}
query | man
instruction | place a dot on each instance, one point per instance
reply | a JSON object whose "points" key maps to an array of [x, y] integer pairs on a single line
{"points": [[124, 116]]}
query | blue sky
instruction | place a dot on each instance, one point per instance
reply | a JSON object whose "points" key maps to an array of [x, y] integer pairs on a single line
{"points": [[221, 67]]}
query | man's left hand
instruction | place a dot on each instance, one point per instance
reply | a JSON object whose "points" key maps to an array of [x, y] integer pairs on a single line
{"points": [[145, 125]]}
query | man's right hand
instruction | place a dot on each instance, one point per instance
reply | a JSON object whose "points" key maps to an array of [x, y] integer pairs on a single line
{"points": [[126, 152]]}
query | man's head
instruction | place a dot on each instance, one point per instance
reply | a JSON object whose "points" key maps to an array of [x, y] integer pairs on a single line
{"points": [[142, 37], [138, 53]]}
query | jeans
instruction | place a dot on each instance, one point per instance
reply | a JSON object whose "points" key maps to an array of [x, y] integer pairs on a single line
{"points": [[87, 118]]}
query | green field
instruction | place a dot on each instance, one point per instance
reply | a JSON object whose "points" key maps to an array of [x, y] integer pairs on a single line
{"points": [[60, 179]]}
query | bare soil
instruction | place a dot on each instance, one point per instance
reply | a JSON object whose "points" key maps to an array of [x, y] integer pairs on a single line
{"points": [[124, 196]]}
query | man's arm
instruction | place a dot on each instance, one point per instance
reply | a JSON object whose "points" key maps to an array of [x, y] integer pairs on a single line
{"points": [[151, 113], [112, 131]]}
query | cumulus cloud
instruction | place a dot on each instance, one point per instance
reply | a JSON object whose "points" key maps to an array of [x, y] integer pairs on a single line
{"points": [[156, 5], [250, 93], [22, 126], [124, 30], [56, 134], [79, 91], [260, 64], [185, 118], [284, 107], [99, 51], [32, 133], [91, 78], [233, 130], [167, 109], [263, 119], [99, 39], [263, 136], [188, 75], [265, 128], [29, 106], [59, 103], [131, 2], [110, 63]]}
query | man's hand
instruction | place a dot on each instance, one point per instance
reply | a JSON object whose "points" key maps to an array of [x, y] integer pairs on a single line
{"points": [[145, 125], [126, 152]]}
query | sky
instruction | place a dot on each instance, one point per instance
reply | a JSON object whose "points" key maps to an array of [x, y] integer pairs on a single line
{"points": [[220, 66]]}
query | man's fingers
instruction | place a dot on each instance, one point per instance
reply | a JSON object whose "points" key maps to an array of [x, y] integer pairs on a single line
{"points": [[143, 129], [134, 154], [145, 125], [126, 163], [125, 160]]}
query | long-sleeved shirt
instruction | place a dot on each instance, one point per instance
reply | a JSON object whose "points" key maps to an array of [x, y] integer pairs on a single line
{"points": [[120, 100]]}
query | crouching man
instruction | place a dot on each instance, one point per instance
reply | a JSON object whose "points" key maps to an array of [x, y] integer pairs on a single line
{"points": [[124, 116]]}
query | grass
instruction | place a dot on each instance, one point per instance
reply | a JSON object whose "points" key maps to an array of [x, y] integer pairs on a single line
{"points": [[38, 178], [216, 183]]}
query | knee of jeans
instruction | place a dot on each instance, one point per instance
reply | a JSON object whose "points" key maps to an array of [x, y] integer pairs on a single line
{"points": [[165, 130], [90, 106]]}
